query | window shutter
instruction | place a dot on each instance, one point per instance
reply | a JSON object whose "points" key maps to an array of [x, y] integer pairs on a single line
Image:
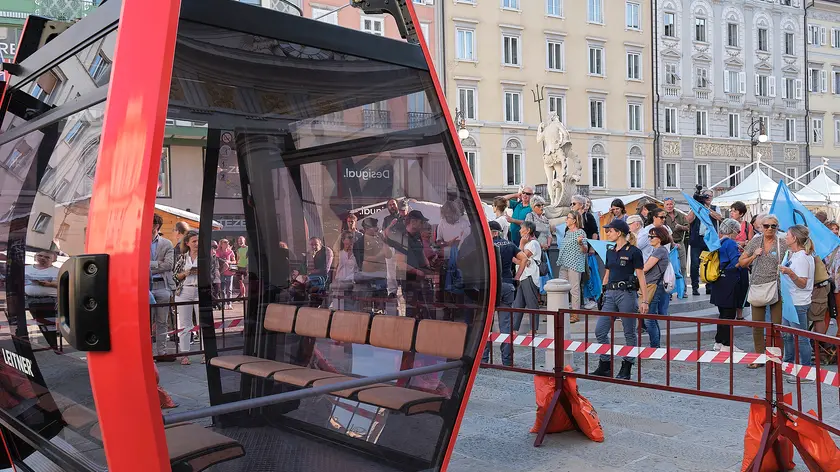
{"points": [[784, 87], [834, 82], [822, 35], [824, 80], [742, 78], [799, 89], [772, 82], [726, 81], [756, 84], [833, 34], [810, 29]]}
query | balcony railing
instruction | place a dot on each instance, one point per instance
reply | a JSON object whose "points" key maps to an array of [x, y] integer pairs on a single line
{"points": [[376, 118], [735, 98], [701, 94], [418, 119], [671, 91], [792, 103], [764, 101], [336, 118]]}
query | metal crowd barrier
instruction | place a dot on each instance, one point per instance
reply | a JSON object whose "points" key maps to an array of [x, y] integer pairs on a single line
{"points": [[222, 326]]}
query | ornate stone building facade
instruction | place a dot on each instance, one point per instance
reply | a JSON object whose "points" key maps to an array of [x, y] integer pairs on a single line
{"points": [[723, 69], [823, 81]]}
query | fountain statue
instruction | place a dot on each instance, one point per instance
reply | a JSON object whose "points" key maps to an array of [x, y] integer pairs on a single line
{"points": [[561, 164]]}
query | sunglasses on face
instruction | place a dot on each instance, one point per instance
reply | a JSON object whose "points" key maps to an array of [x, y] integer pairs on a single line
{"points": [[661, 217], [528, 193], [651, 236], [770, 226]]}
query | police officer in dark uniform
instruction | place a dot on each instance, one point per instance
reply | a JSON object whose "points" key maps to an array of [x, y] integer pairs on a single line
{"points": [[624, 270]]}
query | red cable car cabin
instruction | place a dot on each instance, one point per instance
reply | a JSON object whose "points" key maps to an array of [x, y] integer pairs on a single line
{"points": [[305, 122]]}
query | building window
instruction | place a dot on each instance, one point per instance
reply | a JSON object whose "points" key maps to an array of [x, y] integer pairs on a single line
{"points": [[42, 223], [513, 163], [835, 37], [634, 111], [557, 104], [836, 132], [596, 113], [472, 158], [817, 130], [633, 15], [61, 234], [595, 11], [702, 77], [790, 130], [671, 120], [164, 185], [75, 131], [734, 175], [702, 117], [596, 61], [703, 175], [734, 125], [424, 28], [373, 25], [734, 81], [513, 107], [672, 175], [99, 67], [765, 122], [510, 4], [467, 101], [669, 25], [790, 46], [700, 30], [554, 8], [793, 173], [555, 60], [765, 86], [45, 87], [732, 35], [465, 44], [835, 81], [599, 171], [635, 169], [510, 50], [325, 15], [634, 66], [816, 35], [671, 74], [763, 41]]}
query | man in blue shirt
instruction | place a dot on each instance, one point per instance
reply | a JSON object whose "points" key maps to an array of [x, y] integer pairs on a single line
{"points": [[508, 252], [520, 209]]}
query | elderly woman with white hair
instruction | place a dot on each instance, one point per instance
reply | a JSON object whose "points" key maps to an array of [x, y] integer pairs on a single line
{"points": [[582, 205], [730, 289], [540, 220]]}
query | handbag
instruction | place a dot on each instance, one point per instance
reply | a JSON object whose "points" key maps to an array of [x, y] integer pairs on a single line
{"points": [[768, 292]]}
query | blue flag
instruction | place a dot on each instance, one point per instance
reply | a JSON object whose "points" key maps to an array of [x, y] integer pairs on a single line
{"points": [[561, 230], [711, 237], [791, 212], [679, 287], [600, 247], [786, 288]]}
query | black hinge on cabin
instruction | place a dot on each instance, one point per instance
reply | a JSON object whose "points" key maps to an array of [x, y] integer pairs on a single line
{"points": [[396, 8]]}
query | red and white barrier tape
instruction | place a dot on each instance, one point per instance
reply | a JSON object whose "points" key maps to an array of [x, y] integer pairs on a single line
{"points": [[239, 322], [824, 376], [683, 355]]}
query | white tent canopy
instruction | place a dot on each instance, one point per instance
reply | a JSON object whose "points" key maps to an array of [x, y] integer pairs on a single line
{"points": [[821, 190], [602, 205], [755, 188]]}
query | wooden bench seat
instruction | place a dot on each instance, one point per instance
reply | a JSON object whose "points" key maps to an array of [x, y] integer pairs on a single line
{"points": [[193, 448], [444, 339]]}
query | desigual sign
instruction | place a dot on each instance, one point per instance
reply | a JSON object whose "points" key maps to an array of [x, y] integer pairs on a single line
{"points": [[365, 174], [8, 43]]}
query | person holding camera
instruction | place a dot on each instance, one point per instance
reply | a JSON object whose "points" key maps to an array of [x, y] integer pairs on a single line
{"points": [[186, 290], [624, 270]]}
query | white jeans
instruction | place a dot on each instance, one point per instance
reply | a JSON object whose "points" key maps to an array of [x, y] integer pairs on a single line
{"points": [[185, 314], [573, 277]]}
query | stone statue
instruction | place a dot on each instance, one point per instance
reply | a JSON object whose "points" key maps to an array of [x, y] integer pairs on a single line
{"points": [[560, 162]]}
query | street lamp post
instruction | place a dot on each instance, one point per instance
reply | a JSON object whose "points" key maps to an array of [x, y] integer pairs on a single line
{"points": [[758, 134], [461, 122]]}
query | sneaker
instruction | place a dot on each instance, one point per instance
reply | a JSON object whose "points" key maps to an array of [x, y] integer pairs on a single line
{"points": [[717, 346], [732, 348], [590, 305], [791, 379]]}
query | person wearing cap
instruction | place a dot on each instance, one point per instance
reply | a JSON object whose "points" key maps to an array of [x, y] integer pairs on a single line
{"points": [[695, 239], [617, 210], [412, 262], [509, 254], [678, 222], [623, 283], [520, 209]]}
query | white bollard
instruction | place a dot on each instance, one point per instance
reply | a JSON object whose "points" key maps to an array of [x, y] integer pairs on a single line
{"points": [[557, 291]]}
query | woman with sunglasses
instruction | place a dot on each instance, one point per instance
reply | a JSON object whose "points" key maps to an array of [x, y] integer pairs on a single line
{"points": [[572, 258], [655, 267], [763, 255], [730, 289]]}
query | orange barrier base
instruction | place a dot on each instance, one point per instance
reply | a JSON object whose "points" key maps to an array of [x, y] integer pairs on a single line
{"points": [[577, 412]]}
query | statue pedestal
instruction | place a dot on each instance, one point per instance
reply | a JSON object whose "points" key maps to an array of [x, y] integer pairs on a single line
{"points": [[557, 291], [556, 216]]}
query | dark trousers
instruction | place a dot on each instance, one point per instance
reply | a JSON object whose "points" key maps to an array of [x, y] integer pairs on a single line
{"points": [[723, 331], [695, 266], [505, 325]]}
